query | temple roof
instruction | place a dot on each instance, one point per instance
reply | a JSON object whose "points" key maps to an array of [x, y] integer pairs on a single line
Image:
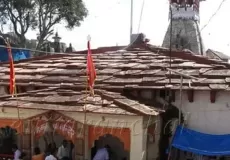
{"points": [[220, 55], [71, 100], [143, 67]]}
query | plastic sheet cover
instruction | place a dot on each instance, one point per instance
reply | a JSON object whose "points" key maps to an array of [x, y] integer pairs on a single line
{"points": [[17, 54], [200, 143]]}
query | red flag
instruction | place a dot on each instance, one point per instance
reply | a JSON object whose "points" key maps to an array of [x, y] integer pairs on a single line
{"points": [[12, 73], [91, 72]]}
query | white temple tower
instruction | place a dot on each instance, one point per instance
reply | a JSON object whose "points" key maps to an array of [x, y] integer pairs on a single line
{"points": [[185, 26]]}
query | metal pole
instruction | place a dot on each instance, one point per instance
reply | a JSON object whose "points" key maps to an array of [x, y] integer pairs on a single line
{"points": [[84, 129], [180, 107], [184, 75], [170, 42], [170, 55], [85, 104], [131, 20]]}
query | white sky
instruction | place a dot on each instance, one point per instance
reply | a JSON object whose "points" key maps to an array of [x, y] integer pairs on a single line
{"points": [[108, 23]]}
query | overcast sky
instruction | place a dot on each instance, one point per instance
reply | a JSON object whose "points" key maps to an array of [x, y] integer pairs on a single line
{"points": [[108, 23]]}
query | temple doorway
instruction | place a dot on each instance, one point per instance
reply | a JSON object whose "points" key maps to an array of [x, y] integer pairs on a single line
{"points": [[57, 138], [8, 137], [117, 152], [52, 128]]}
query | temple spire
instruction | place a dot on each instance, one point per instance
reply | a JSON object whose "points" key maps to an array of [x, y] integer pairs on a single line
{"points": [[184, 20]]}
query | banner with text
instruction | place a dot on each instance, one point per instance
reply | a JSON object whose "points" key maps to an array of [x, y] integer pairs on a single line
{"points": [[66, 129], [12, 123]]}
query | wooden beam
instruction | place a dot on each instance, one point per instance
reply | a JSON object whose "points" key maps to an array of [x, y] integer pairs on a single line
{"points": [[154, 94], [190, 94], [173, 96], [213, 96]]}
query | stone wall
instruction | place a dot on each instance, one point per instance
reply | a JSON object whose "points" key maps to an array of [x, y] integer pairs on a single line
{"points": [[185, 35]]}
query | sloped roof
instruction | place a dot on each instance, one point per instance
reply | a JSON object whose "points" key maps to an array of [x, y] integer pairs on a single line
{"points": [[137, 68], [219, 54], [60, 99]]}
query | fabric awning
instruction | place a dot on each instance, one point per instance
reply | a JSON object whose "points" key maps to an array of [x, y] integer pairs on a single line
{"points": [[200, 143]]}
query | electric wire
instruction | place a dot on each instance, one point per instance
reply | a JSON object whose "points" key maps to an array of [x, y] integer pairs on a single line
{"points": [[213, 15], [210, 19], [141, 15]]}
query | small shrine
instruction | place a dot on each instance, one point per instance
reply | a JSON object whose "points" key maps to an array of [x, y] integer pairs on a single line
{"points": [[56, 43], [52, 115]]}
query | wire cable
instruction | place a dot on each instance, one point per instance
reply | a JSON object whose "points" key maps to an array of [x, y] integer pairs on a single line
{"points": [[210, 19], [141, 14], [139, 25], [213, 15]]}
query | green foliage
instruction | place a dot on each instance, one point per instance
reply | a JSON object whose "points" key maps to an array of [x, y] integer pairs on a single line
{"points": [[20, 14], [42, 15], [71, 11], [52, 12]]}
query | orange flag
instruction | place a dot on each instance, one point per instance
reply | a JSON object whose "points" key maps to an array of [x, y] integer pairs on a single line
{"points": [[91, 72], [12, 73]]}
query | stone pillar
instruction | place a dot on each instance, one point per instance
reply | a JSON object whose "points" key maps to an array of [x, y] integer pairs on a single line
{"points": [[153, 137], [138, 141]]}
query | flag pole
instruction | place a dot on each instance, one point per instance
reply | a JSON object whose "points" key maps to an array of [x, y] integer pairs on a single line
{"points": [[131, 20], [90, 79], [85, 103], [84, 121], [12, 86]]}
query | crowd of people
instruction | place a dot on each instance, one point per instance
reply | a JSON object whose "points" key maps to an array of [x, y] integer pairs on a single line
{"points": [[64, 152]]}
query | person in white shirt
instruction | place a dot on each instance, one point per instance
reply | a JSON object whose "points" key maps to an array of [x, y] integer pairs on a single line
{"points": [[63, 151], [17, 152], [51, 156]]}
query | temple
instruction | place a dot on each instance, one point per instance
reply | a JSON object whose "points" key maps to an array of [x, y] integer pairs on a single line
{"points": [[184, 16]]}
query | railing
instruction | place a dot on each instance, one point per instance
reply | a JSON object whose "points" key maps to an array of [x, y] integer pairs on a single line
{"points": [[6, 157]]}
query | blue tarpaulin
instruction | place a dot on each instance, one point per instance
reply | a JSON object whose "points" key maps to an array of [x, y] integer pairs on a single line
{"points": [[200, 143], [17, 54]]}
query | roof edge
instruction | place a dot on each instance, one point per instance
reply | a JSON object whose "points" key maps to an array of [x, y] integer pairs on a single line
{"points": [[187, 55]]}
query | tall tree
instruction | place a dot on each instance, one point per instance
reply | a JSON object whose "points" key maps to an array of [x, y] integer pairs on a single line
{"points": [[20, 14], [52, 12], [2, 17], [42, 15]]}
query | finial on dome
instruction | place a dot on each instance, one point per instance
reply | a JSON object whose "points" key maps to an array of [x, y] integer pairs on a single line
{"points": [[89, 38]]}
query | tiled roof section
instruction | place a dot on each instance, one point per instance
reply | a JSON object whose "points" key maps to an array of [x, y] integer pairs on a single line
{"points": [[74, 100], [116, 70], [58, 55], [219, 54]]}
